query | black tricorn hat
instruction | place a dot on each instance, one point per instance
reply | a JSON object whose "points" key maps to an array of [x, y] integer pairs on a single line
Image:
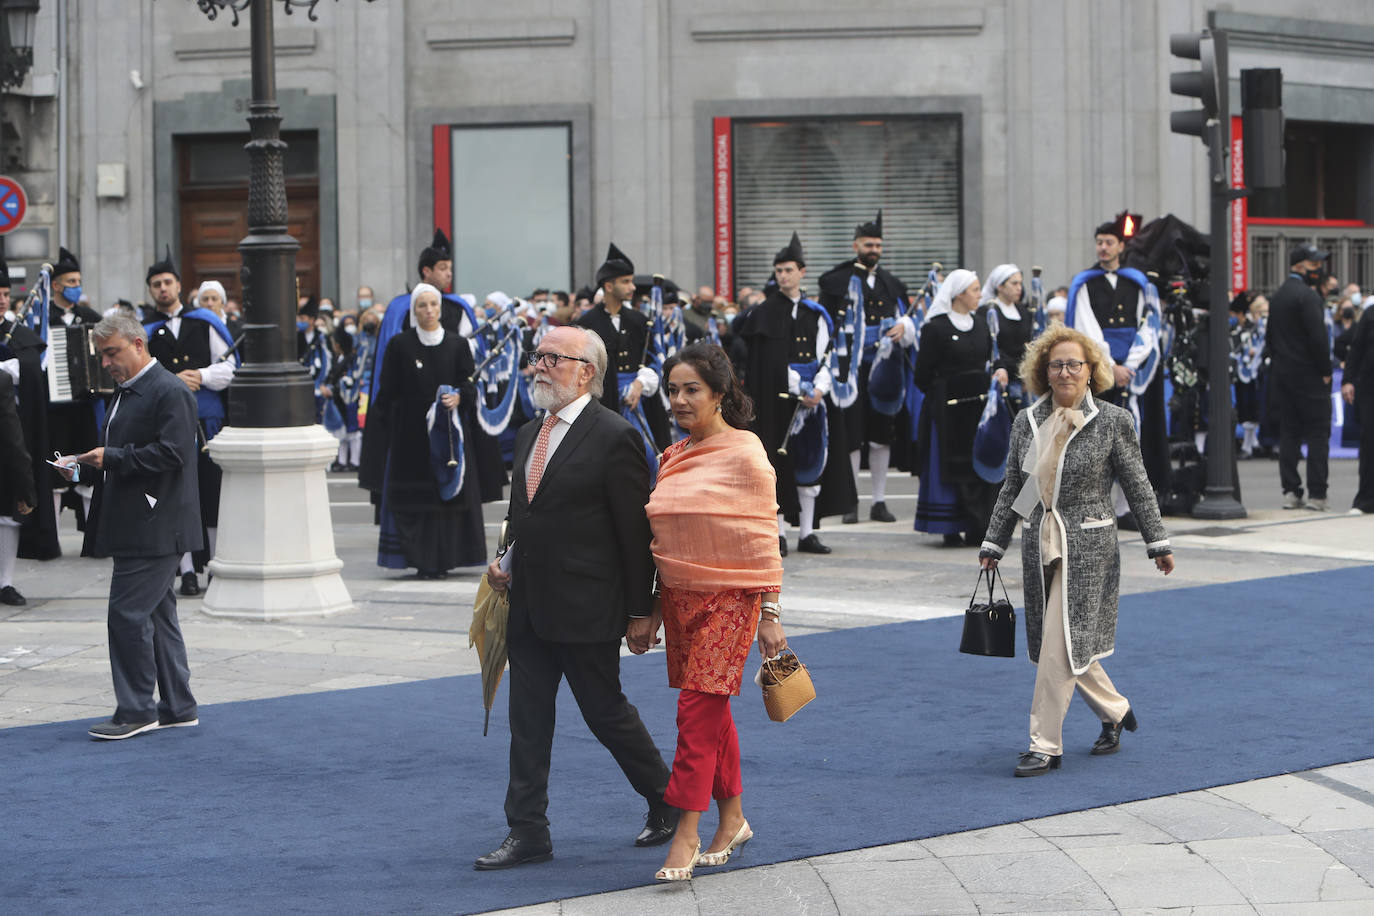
{"points": [[439, 250], [617, 264], [165, 266], [4, 274], [793, 252], [873, 230], [66, 263], [584, 292]]}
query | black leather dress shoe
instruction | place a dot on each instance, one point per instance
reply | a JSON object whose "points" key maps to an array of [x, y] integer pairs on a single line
{"points": [[189, 586], [1034, 763], [10, 595], [1109, 742], [782, 545], [812, 544], [952, 540], [659, 827], [513, 852], [851, 517], [879, 513]]}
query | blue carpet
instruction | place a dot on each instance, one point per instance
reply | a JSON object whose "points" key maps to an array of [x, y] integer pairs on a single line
{"points": [[377, 800]]}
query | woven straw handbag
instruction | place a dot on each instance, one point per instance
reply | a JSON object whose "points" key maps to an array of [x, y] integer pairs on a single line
{"points": [[786, 685]]}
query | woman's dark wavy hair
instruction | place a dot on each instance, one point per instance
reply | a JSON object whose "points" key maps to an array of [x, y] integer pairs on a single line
{"points": [[716, 370]]}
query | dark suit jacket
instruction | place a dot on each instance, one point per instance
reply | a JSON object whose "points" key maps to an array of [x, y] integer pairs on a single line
{"points": [[582, 564], [1297, 338], [632, 339], [146, 502], [16, 465]]}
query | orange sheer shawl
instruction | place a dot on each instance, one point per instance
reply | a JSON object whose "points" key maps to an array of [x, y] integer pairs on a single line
{"points": [[714, 515]]}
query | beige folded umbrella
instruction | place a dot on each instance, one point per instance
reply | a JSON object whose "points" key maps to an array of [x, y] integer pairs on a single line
{"points": [[490, 612]]}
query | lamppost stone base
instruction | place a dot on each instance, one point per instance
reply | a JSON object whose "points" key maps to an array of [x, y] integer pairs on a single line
{"points": [[275, 555]]}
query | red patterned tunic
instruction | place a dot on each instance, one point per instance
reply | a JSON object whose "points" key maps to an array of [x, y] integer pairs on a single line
{"points": [[708, 636]]}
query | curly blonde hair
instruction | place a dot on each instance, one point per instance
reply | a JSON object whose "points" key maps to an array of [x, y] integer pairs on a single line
{"points": [[1035, 371]]}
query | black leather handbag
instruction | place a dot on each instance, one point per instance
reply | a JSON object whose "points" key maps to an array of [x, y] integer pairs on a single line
{"points": [[989, 629]]}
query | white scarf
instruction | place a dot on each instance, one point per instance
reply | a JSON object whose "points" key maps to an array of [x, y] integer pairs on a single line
{"points": [[957, 282]]}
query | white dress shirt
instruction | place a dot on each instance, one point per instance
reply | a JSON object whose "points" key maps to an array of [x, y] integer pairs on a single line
{"points": [[566, 417]]}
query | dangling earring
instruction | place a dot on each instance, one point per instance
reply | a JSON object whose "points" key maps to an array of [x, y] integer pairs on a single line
{"points": [[717, 408]]}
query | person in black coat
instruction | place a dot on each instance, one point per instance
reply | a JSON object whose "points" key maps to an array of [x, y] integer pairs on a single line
{"points": [[1357, 388], [952, 371], [425, 531], [579, 575], [17, 494], [1300, 378], [38, 536], [888, 436], [1015, 326], [145, 513], [71, 425]]}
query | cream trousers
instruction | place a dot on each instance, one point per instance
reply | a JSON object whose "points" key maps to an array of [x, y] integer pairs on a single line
{"points": [[1055, 680]]}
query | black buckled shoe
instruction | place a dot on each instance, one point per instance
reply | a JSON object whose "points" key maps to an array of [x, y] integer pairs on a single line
{"points": [[851, 517], [515, 851], [189, 586], [879, 513], [1109, 742], [782, 545], [1034, 763], [812, 544], [659, 826]]}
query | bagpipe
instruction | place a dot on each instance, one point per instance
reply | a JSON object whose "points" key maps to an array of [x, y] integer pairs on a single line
{"points": [[497, 375], [446, 457], [1037, 303], [844, 390], [808, 433], [34, 312], [1247, 353]]}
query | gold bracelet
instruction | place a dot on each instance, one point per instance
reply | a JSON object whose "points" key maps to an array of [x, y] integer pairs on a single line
{"points": [[773, 609]]}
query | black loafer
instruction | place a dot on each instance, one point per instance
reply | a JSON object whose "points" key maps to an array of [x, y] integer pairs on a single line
{"points": [[10, 595], [782, 545], [659, 827], [513, 852], [1034, 763], [812, 544], [952, 540], [189, 586], [851, 517], [879, 513], [1109, 742]]}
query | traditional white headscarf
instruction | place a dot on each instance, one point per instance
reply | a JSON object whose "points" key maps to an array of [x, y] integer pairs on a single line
{"points": [[1001, 274], [499, 299], [955, 283], [212, 285], [428, 338], [1057, 304]]}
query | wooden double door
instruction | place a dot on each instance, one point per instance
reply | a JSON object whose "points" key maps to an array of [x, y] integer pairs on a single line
{"points": [[213, 203]]}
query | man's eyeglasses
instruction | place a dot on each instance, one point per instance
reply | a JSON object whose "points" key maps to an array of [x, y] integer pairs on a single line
{"points": [[1071, 366], [550, 360]]}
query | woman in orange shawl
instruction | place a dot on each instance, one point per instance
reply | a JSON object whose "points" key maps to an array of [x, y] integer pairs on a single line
{"points": [[714, 519]]}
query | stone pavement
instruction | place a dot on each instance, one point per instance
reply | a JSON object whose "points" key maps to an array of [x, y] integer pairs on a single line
{"points": [[1299, 843]]}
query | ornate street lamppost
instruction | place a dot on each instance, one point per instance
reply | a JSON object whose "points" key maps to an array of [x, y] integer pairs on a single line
{"points": [[275, 554]]}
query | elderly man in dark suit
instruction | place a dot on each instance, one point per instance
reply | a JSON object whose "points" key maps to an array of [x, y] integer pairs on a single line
{"points": [[145, 514], [580, 471]]}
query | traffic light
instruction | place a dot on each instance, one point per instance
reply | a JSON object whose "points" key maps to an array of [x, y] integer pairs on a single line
{"points": [[1208, 84], [1261, 103]]}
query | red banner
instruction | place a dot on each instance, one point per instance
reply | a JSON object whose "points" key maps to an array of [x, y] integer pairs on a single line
{"points": [[723, 224], [1239, 261]]}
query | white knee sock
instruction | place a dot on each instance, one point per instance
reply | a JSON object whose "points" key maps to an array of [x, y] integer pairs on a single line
{"points": [[57, 506], [212, 534], [9, 552], [186, 564], [879, 456], [808, 510], [342, 456], [782, 526], [355, 448], [854, 457]]}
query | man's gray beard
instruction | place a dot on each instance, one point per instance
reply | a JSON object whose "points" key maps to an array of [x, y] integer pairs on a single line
{"points": [[551, 395]]}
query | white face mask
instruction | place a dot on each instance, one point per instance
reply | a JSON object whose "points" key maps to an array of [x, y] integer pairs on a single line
{"points": [[1356, 299]]}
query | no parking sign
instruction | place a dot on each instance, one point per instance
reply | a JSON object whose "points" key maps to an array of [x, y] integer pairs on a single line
{"points": [[13, 204]]}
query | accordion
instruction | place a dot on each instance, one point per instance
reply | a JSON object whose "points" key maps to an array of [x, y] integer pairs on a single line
{"points": [[74, 370]]}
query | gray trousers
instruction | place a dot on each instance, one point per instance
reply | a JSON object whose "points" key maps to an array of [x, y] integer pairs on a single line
{"points": [[146, 648]]}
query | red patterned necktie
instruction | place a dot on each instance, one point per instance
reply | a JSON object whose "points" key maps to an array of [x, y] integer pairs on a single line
{"points": [[541, 455]]}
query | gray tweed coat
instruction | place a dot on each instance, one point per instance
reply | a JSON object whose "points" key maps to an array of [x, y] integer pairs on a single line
{"points": [[1104, 450]]}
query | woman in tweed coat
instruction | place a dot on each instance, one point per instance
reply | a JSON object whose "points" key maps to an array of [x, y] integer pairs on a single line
{"points": [[1066, 452]]}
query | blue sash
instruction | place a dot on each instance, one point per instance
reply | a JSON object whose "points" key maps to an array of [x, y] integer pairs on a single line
{"points": [[845, 390]]}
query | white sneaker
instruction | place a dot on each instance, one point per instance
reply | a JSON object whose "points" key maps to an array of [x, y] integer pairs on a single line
{"points": [[1319, 505], [1292, 501]]}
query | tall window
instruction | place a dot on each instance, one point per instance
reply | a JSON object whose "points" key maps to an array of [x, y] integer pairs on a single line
{"points": [[822, 176], [512, 208]]}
